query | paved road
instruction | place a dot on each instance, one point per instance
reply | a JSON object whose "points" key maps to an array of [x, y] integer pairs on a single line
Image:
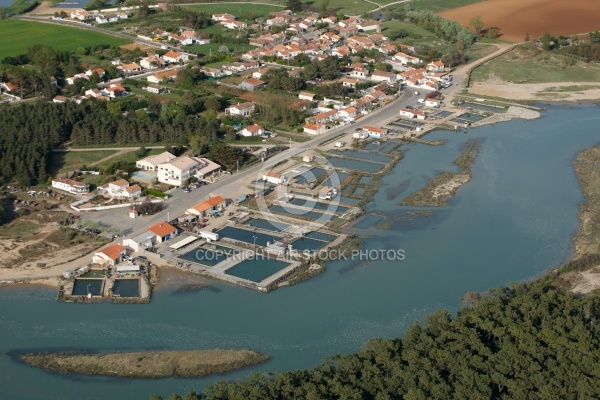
{"points": [[181, 201]]}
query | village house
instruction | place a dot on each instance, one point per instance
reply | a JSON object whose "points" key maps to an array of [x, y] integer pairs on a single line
{"points": [[223, 17], [231, 24], [120, 189], [274, 178], [251, 84], [412, 113], [81, 15], [360, 135], [212, 72], [111, 255], [166, 76], [435, 103], [323, 117], [383, 76], [306, 96], [179, 170], [106, 18], [163, 231], [151, 163], [99, 71], [404, 58], [152, 61], [314, 129], [70, 185], [260, 72], [242, 110], [252, 130], [308, 157], [348, 113], [350, 82], [207, 207], [143, 241], [128, 69], [368, 26], [436, 66], [71, 80], [155, 89], [60, 99], [175, 57], [374, 132]]}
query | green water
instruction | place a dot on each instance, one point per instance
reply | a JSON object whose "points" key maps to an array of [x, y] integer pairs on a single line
{"points": [[256, 270]]}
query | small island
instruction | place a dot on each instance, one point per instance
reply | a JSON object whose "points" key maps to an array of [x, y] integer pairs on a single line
{"points": [[445, 185], [147, 364]]}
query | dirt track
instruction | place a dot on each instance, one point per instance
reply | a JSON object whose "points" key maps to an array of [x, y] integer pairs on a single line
{"points": [[516, 18]]}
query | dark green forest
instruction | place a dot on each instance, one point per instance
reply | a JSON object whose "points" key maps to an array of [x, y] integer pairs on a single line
{"points": [[29, 131], [527, 341]]}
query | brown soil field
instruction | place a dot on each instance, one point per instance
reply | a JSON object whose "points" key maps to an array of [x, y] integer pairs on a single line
{"points": [[516, 18]]}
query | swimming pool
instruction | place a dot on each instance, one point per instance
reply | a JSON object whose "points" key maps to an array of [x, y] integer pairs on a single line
{"points": [[244, 235], [267, 225], [127, 287], [143, 175], [82, 287], [256, 270]]}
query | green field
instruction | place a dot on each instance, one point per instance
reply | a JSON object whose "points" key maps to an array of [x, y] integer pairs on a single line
{"points": [[241, 11], [414, 31], [69, 161], [436, 5], [527, 64], [348, 7], [214, 48], [17, 36]]}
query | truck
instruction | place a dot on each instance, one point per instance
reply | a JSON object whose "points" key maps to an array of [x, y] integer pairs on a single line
{"points": [[209, 236]]}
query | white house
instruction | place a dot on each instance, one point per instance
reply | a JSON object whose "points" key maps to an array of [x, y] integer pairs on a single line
{"points": [[151, 163], [242, 110], [152, 62], [274, 178], [231, 24], [412, 113], [71, 186], [120, 189], [175, 57], [374, 132], [106, 18], [436, 66], [252, 130], [383, 76], [348, 113], [110, 255], [314, 129], [158, 78], [177, 171], [223, 17], [306, 96], [350, 82], [435, 103], [81, 14], [71, 80], [360, 135]]}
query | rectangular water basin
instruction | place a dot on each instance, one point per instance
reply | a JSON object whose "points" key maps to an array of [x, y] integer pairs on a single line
{"points": [[325, 237], [311, 175], [366, 156], [368, 221], [349, 200], [307, 244], [206, 257], [482, 107], [256, 270], [127, 287], [267, 225], [317, 205], [355, 164], [82, 287], [298, 213], [244, 235]]}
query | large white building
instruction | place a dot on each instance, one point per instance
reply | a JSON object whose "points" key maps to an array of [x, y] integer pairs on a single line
{"points": [[177, 171], [151, 163], [70, 185]]}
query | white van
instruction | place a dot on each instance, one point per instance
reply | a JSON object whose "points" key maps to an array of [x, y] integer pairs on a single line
{"points": [[421, 101]]}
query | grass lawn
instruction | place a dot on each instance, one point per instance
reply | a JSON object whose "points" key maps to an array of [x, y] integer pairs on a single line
{"points": [[71, 160], [477, 51], [17, 36], [348, 7], [130, 156], [416, 33], [531, 65], [241, 11]]}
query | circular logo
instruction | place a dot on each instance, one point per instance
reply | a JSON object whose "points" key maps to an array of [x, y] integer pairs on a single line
{"points": [[308, 191]]}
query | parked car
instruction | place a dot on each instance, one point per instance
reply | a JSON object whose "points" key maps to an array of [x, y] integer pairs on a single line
{"points": [[186, 190]]}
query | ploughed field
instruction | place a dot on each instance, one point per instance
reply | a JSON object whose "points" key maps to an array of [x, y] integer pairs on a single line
{"points": [[516, 18]]}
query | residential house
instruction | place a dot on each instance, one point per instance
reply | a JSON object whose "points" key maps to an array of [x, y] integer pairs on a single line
{"points": [[212, 72], [110, 255], [163, 231], [120, 189], [374, 132], [203, 209], [306, 96], [223, 17], [128, 69], [106, 18], [436, 66], [155, 89], [308, 157], [230, 24], [60, 99], [329, 20], [177, 171], [274, 178], [280, 20], [348, 113], [158, 78], [81, 15], [435, 103], [349, 82], [251, 84], [71, 80], [242, 110], [301, 105], [412, 113], [183, 41], [348, 31], [252, 130], [152, 61], [368, 26], [99, 71], [315, 129], [348, 22], [175, 57], [262, 71], [404, 58], [151, 163], [360, 135], [327, 193], [70, 185], [323, 117], [383, 76]]}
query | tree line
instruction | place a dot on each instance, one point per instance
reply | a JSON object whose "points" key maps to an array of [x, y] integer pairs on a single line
{"points": [[529, 340]]}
